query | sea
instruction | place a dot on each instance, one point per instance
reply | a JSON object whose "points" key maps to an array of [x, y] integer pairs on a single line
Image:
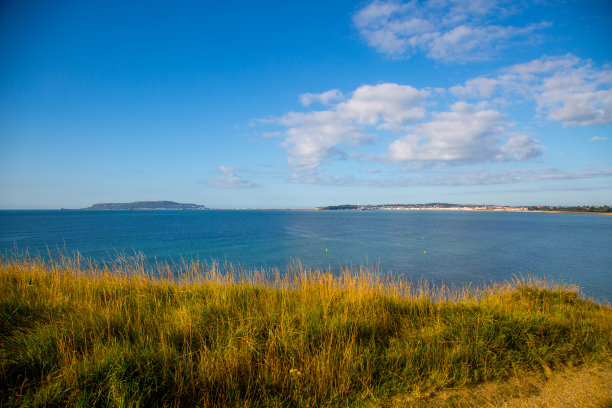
{"points": [[451, 248]]}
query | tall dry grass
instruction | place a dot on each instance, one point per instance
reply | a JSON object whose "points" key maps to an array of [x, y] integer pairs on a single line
{"points": [[73, 334]]}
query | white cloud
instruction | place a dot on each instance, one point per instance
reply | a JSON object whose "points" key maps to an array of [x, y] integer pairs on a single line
{"points": [[313, 137], [380, 32], [324, 98], [463, 135], [565, 88], [387, 105], [229, 179], [446, 30], [578, 97], [476, 88], [521, 148], [598, 139]]}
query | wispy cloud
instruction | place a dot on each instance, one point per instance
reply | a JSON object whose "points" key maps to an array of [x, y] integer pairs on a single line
{"points": [[480, 87], [472, 177], [598, 139], [229, 179], [445, 30], [540, 189], [487, 177], [324, 98], [270, 134], [565, 88]]}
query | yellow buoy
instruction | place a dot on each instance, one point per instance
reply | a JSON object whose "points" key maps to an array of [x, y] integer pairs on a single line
{"points": [[325, 249], [425, 252]]}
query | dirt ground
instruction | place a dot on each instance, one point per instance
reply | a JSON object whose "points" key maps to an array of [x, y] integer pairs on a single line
{"points": [[583, 387]]}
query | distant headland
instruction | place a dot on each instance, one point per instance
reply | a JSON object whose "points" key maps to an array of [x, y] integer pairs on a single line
{"points": [[146, 205]]}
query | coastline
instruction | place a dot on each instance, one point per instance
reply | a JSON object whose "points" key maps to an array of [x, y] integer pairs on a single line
{"points": [[496, 209], [315, 209]]}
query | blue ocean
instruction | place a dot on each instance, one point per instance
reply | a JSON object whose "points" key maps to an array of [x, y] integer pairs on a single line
{"points": [[443, 247]]}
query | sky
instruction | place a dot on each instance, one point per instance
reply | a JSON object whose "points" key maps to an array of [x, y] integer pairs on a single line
{"points": [[297, 104]]}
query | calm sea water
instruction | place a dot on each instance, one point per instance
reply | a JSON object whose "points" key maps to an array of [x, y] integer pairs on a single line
{"points": [[470, 247]]}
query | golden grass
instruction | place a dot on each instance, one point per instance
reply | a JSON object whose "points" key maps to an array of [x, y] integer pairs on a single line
{"points": [[73, 334]]}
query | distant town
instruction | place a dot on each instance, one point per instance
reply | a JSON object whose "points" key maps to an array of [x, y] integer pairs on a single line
{"points": [[469, 207]]}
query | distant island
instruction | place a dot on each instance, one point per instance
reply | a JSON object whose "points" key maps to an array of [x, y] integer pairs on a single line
{"points": [[603, 209], [146, 205]]}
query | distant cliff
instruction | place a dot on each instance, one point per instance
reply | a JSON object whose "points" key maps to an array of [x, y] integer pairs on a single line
{"points": [[146, 205]]}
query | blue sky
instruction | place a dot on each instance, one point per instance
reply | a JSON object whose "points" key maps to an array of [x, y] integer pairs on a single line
{"points": [[301, 104]]}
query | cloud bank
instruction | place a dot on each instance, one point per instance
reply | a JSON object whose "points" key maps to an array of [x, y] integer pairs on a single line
{"points": [[397, 124], [467, 133], [467, 177]]}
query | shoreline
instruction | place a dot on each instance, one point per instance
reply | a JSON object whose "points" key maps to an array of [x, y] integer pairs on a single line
{"points": [[473, 210]]}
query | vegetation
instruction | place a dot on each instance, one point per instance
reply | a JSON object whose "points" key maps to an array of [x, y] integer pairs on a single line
{"points": [[75, 335], [578, 209]]}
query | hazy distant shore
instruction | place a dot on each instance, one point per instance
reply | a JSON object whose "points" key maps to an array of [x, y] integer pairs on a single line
{"points": [[470, 207], [459, 208]]}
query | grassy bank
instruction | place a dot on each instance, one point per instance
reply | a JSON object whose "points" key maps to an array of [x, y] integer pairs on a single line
{"points": [[72, 335]]}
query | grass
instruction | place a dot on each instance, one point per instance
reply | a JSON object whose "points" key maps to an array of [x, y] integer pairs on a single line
{"points": [[79, 335]]}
